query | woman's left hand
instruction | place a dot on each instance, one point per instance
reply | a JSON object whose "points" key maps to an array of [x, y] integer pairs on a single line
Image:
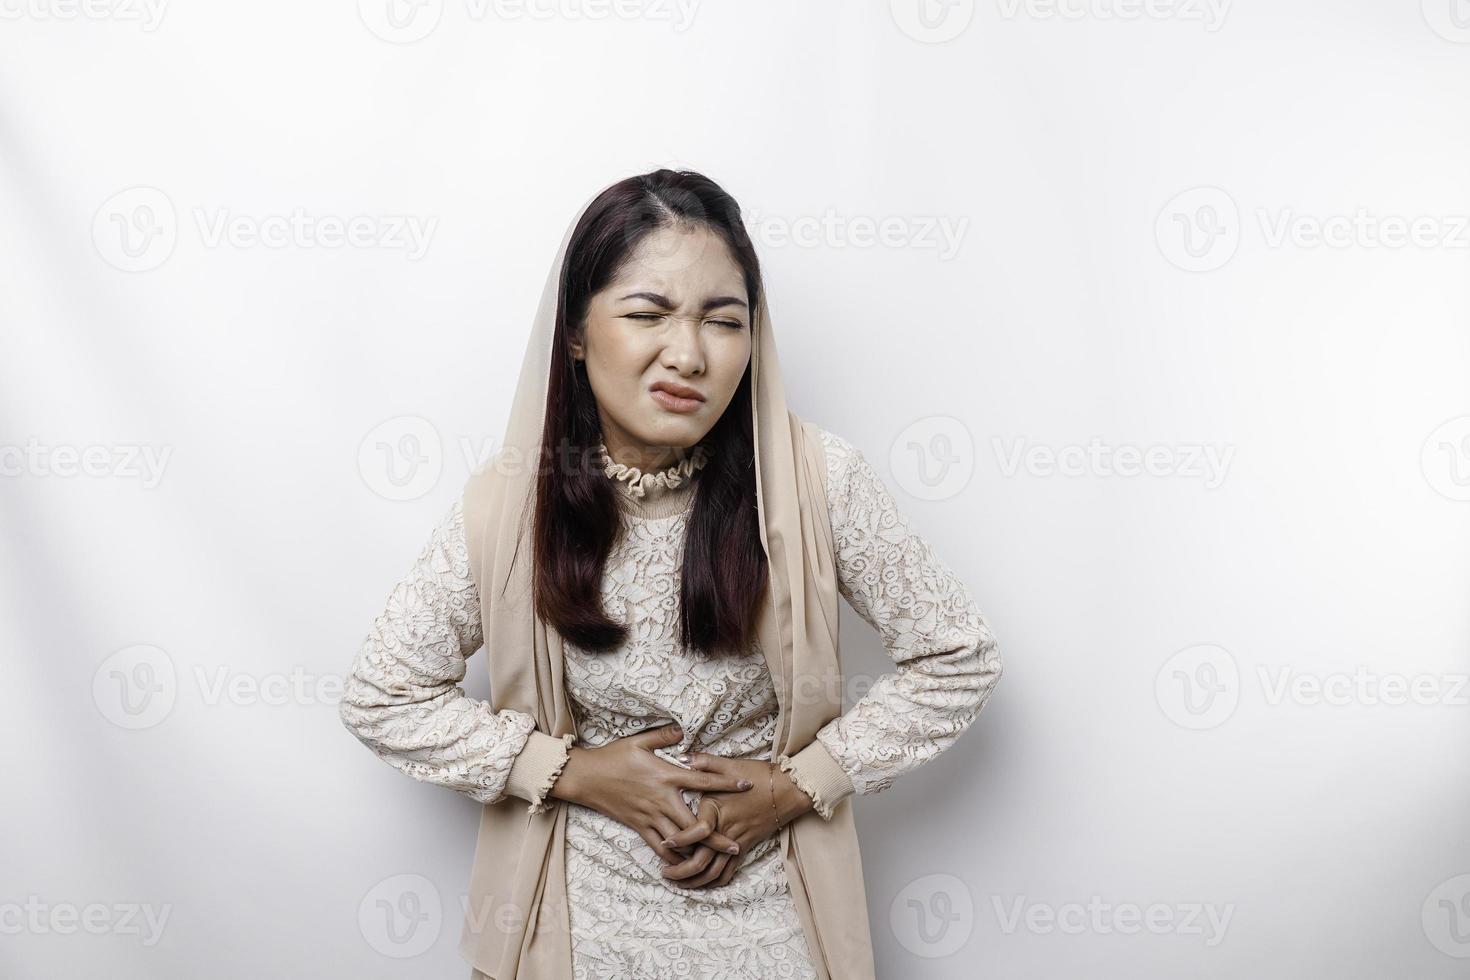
{"points": [[748, 818]]}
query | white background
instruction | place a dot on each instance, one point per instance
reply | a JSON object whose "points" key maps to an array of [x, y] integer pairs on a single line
{"points": [[1145, 197]]}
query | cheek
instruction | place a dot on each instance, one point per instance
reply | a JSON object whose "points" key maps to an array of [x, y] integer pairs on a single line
{"points": [[731, 361], [610, 355], [612, 378], [615, 368]]}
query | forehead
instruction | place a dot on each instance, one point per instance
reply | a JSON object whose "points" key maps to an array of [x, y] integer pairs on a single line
{"points": [[678, 260]]}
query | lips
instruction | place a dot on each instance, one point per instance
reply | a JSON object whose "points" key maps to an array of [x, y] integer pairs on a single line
{"points": [[677, 390], [676, 397]]}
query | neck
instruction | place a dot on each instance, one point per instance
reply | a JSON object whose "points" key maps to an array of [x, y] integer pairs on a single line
{"points": [[662, 493]]}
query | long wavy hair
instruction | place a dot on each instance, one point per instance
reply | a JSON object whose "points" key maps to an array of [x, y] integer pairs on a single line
{"points": [[724, 573]]}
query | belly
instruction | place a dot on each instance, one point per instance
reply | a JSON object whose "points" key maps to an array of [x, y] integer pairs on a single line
{"points": [[627, 919]]}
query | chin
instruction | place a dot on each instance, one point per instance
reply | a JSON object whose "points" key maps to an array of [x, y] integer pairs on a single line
{"points": [[681, 433]]}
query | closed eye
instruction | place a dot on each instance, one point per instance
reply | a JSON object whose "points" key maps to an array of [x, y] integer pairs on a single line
{"points": [[733, 324]]}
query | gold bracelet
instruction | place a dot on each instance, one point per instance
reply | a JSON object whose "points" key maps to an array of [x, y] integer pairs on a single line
{"points": [[775, 814]]}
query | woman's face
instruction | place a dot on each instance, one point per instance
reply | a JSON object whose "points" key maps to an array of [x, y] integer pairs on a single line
{"points": [[674, 315]]}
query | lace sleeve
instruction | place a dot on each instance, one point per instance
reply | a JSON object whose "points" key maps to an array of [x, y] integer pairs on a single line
{"points": [[403, 699], [947, 659]]}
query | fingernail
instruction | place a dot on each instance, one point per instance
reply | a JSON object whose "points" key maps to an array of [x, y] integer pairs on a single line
{"points": [[733, 849], [682, 757], [745, 784], [668, 843]]}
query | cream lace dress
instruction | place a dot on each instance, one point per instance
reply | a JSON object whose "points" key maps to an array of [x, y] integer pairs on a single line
{"points": [[403, 700]]}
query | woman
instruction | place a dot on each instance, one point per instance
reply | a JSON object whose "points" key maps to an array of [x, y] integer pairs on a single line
{"points": [[652, 562]]}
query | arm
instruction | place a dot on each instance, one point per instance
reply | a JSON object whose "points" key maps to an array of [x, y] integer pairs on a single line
{"points": [[947, 659], [403, 699]]}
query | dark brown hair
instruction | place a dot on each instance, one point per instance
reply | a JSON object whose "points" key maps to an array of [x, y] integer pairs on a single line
{"points": [[724, 571]]}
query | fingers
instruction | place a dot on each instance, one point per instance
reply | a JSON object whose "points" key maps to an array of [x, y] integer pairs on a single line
{"points": [[689, 826], [694, 834], [703, 829], [702, 833], [654, 840], [656, 833], [712, 763], [719, 842], [657, 738], [711, 811], [695, 864], [713, 872], [731, 867], [715, 773], [713, 782], [668, 828]]}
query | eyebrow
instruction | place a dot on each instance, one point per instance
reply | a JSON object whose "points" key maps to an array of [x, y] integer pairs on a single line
{"points": [[709, 304]]}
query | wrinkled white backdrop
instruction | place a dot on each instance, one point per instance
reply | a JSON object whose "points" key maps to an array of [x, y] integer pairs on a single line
{"points": [[1153, 315]]}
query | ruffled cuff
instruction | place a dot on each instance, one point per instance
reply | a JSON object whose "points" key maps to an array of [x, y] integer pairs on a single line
{"points": [[817, 774], [537, 767]]}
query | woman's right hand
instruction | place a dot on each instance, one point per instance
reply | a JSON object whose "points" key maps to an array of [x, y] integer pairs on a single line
{"points": [[624, 780]]}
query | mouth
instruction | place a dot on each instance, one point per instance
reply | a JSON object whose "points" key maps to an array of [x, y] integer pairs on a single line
{"points": [[676, 397]]}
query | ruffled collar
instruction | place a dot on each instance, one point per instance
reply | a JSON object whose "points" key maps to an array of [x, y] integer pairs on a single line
{"points": [[640, 486]]}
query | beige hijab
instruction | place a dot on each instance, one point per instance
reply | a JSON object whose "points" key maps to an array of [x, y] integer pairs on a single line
{"points": [[516, 922]]}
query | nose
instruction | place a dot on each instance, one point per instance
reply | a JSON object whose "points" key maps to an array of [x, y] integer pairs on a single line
{"points": [[684, 351]]}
